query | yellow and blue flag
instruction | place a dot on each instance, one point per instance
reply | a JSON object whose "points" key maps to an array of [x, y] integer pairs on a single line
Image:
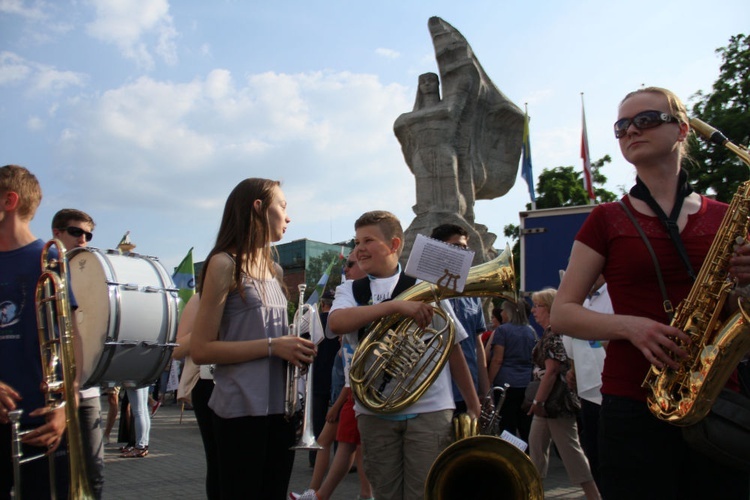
{"points": [[526, 171]]}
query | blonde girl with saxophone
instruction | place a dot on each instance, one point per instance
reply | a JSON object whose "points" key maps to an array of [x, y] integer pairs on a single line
{"points": [[242, 327], [642, 456]]}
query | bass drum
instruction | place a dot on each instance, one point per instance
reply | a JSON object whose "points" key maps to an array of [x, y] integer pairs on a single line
{"points": [[126, 316]]}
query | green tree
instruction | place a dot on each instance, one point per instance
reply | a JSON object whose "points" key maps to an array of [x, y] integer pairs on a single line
{"points": [[561, 187], [316, 266], [715, 169]]}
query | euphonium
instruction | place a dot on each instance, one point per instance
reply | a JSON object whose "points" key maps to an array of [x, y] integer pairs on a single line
{"points": [[481, 467], [293, 399], [396, 363], [685, 395], [55, 330]]}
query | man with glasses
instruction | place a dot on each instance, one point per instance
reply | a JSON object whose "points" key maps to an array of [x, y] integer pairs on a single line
{"points": [[352, 271], [74, 229], [470, 314]]}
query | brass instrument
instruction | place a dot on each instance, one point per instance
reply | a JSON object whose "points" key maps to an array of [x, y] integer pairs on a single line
{"points": [[685, 395], [481, 467], [397, 362], [489, 419], [55, 329], [294, 402]]}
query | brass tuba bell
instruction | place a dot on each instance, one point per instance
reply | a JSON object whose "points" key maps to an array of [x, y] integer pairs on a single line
{"points": [[481, 467], [397, 362]]}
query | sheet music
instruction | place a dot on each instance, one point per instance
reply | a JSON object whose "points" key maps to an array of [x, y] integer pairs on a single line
{"points": [[516, 441], [440, 263]]}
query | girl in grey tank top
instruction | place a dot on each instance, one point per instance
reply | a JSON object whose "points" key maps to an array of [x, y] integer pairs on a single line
{"points": [[241, 326]]}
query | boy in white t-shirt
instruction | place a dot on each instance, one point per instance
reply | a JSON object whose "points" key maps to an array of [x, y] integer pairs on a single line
{"points": [[399, 448]]}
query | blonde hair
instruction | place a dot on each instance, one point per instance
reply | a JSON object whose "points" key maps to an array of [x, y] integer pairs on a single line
{"points": [[22, 182], [544, 297], [676, 108]]}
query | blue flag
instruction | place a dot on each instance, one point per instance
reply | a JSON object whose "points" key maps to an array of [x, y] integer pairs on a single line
{"points": [[526, 171]]}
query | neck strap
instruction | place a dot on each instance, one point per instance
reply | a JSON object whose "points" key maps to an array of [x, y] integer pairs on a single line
{"points": [[641, 191]]}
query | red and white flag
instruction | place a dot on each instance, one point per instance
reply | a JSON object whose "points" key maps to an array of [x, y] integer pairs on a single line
{"points": [[587, 180]]}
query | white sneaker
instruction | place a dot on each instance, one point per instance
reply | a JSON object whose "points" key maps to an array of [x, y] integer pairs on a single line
{"points": [[306, 495]]}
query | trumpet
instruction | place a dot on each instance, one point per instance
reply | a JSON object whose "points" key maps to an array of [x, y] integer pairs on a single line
{"points": [[294, 402], [55, 330], [489, 419]]}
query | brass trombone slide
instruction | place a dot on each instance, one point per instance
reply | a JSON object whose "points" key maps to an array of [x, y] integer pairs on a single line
{"points": [[55, 330]]}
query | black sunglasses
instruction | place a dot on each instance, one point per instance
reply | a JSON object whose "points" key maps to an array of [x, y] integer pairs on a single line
{"points": [[642, 121], [349, 264], [77, 232]]}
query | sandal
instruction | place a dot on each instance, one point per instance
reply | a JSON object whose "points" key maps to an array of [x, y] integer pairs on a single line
{"points": [[136, 453], [126, 449]]}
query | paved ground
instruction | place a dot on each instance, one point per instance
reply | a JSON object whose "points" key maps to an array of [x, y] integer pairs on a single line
{"points": [[175, 465]]}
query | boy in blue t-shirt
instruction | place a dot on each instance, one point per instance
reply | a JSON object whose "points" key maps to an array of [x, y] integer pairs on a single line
{"points": [[20, 359]]}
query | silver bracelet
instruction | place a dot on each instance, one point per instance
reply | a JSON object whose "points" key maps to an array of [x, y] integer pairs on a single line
{"points": [[270, 347]]}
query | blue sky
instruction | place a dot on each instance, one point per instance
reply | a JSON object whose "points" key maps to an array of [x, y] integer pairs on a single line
{"points": [[146, 113]]}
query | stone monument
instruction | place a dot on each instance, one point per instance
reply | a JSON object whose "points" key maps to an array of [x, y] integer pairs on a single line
{"points": [[461, 147]]}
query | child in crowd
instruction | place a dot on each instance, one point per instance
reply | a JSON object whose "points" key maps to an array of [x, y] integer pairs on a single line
{"points": [[399, 448]]}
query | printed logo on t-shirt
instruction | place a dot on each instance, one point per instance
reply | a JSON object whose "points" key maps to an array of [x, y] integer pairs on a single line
{"points": [[10, 314]]}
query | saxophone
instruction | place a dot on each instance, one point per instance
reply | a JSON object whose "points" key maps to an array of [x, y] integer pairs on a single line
{"points": [[683, 396]]}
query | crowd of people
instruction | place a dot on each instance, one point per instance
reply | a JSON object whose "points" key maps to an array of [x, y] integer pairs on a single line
{"points": [[558, 383]]}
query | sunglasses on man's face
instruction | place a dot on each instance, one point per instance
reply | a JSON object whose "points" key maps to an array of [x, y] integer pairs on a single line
{"points": [[350, 264], [77, 232], [642, 121]]}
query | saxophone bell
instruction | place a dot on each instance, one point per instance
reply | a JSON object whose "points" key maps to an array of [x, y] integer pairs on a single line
{"points": [[683, 396]]}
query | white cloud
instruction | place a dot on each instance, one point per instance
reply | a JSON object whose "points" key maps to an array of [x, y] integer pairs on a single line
{"points": [[13, 68], [175, 148], [130, 24], [37, 77], [387, 53], [34, 123], [34, 12]]}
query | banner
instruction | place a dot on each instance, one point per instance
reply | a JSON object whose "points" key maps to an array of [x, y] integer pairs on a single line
{"points": [[184, 279]]}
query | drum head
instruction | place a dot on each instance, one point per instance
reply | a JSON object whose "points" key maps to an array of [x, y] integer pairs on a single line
{"points": [[88, 281], [126, 316]]}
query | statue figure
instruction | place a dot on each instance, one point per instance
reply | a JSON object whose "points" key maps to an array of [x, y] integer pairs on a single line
{"points": [[462, 147]]}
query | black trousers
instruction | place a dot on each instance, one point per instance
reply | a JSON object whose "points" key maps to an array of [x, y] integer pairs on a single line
{"points": [[642, 457], [204, 415], [34, 474], [254, 456]]}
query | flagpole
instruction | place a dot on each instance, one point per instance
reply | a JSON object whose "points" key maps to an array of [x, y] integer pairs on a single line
{"points": [[588, 182]]}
